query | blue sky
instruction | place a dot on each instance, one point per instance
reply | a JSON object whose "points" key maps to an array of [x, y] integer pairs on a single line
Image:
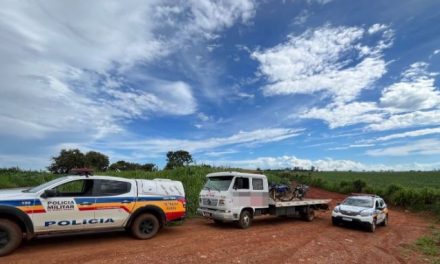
{"points": [[347, 85]]}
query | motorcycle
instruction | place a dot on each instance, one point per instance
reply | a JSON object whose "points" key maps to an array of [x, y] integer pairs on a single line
{"points": [[284, 193]]}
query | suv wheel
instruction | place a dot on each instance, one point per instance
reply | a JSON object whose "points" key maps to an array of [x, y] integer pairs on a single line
{"points": [[145, 226], [385, 221], [372, 227], [245, 219], [10, 236]]}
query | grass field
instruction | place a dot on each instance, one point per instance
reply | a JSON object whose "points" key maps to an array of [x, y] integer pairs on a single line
{"points": [[417, 190]]}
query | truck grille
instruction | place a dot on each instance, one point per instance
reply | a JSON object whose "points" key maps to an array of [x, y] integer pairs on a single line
{"points": [[351, 213], [209, 202]]}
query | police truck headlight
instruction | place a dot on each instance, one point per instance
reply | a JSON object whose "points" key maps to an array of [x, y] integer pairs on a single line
{"points": [[336, 209], [221, 202]]}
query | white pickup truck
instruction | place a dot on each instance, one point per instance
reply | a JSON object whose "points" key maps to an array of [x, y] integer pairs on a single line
{"points": [[89, 203], [239, 197]]}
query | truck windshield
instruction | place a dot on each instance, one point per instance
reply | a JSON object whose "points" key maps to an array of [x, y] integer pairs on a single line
{"points": [[44, 185], [368, 203], [219, 183]]}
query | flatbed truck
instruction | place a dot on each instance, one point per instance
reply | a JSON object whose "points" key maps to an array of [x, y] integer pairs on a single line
{"points": [[240, 197]]}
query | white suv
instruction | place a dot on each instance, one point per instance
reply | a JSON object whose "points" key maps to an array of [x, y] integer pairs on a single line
{"points": [[364, 209]]}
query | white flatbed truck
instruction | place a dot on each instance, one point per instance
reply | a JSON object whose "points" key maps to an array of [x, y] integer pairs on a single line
{"points": [[239, 197]]}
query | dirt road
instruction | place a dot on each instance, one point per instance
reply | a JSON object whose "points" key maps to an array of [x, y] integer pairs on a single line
{"points": [[269, 240]]}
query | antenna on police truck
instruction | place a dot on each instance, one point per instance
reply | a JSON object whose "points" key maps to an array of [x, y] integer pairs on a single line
{"points": [[82, 172]]}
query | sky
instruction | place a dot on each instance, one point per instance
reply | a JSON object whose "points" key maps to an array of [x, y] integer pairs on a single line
{"points": [[335, 84]]}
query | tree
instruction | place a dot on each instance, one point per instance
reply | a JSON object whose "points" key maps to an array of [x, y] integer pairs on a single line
{"points": [[149, 167], [178, 158], [123, 165], [67, 160], [96, 160]]}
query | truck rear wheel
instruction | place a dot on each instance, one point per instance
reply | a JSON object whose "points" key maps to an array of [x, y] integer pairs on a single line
{"points": [[145, 226], [10, 236], [309, 215], [245, 219]]}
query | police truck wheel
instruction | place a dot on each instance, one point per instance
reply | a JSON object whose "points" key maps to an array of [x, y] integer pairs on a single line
{"points": [[145, 226], [10, 236], [245, 219]]}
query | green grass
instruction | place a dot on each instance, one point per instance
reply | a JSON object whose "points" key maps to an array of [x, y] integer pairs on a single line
{"points": [[429, 245], [384, 179]]}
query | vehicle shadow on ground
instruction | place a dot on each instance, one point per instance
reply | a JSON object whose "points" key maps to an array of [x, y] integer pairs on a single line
{"points": [[66, 240]]}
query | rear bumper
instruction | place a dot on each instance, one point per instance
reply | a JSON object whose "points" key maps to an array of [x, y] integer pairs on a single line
{"points": [[217, 214]]}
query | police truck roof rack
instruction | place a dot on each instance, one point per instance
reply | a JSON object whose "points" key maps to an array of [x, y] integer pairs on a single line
{"points": [[82, 172]]}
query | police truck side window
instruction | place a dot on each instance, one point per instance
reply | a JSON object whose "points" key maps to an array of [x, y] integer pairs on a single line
{"points": [[75, 188], [257, 184], [111, 188]]}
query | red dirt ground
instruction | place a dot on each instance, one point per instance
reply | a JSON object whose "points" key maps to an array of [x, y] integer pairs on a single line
{"points": [[269, 240]]}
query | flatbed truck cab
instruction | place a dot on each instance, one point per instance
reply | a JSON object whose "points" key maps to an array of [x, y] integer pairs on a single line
{"points": [[239, 197]]}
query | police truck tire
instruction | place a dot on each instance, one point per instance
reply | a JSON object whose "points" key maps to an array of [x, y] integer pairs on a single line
{"points": [[10, 236], [145, 226], [245, 220]]}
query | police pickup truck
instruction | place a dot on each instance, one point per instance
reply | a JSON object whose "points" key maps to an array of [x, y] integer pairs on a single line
{"points": [[89, 203]]}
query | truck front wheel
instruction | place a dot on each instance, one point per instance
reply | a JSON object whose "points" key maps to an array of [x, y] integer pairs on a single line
{"points": [[245, 219], [10, 236], [145, 226]]}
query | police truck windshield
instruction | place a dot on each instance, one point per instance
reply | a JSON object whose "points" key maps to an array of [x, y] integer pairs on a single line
{"points": [[44, 185], [219, 183]]}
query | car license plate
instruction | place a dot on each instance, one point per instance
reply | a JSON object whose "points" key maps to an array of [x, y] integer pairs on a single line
{"points": [[347, 219], [206, 214]]}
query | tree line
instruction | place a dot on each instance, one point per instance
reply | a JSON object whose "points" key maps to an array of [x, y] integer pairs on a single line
{"points": [[69, 159]]}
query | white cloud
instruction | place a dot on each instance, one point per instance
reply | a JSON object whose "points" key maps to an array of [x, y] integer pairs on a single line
{"points": [[322, 60], [411, 102], [64, 64], [413, 119], [302, 17], [377, 28], [328, 164], [339, 115], [421, 147], [248, 138], [416, 91], [415, 133]]}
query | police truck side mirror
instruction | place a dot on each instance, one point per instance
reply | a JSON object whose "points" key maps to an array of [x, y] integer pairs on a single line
{"points": [[49, 193]]}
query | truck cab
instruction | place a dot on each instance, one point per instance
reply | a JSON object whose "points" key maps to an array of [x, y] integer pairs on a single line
{"points": [[226, 195]]}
